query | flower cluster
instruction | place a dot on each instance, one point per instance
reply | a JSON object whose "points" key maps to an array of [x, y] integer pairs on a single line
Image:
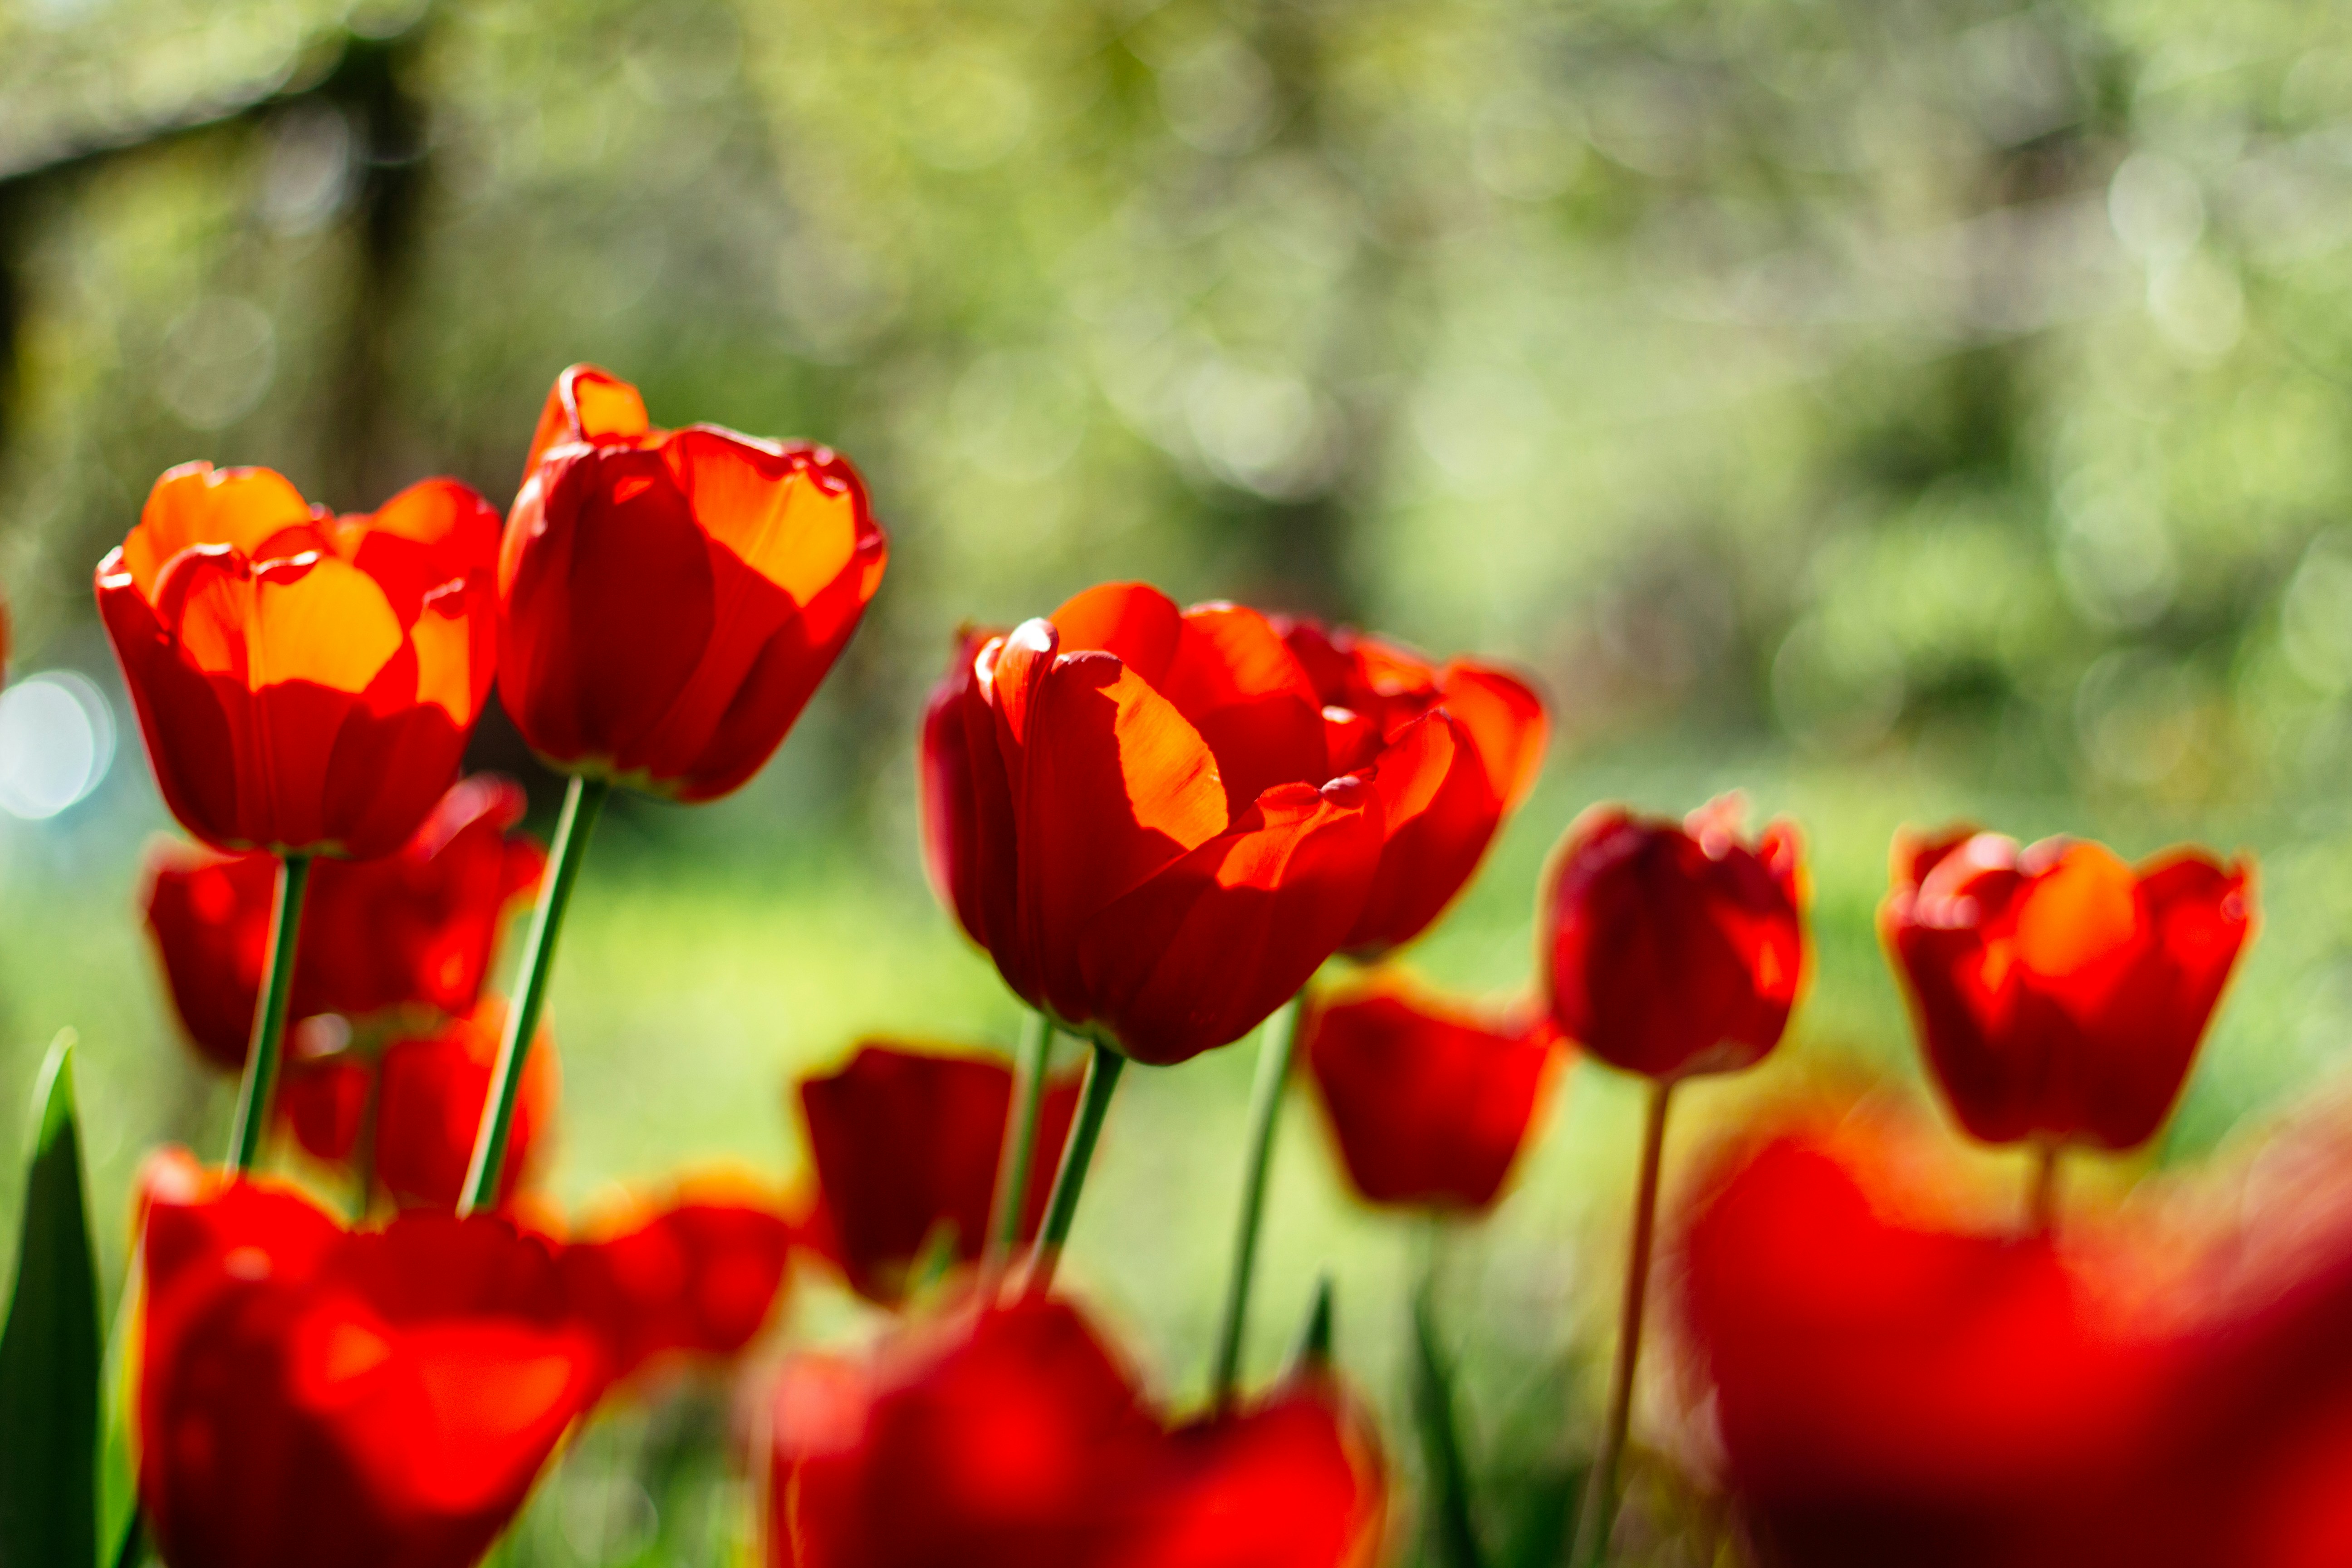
{"points": [[1161, 824]]}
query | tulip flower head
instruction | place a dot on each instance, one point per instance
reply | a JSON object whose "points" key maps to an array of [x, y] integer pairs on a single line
{"points": [[1674, 949], [305, 682], [1429, 1103], [1470, 737], [668, 600], [907, 1141], [1149, 820], [308, 1395], [2059, 993], [413, 931], [694, 1280], [1015, 1436]]}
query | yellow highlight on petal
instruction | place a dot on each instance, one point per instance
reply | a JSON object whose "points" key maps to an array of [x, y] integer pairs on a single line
{"points": [[2078, 912]]}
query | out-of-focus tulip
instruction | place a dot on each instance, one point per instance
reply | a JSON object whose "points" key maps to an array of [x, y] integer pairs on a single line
{"points": [[695, 1278], [416, 927], [669, 599], [1015, 1436], [1475, 737], [428, 1106], [1673, 950], [1429, 1102], [1134, 809], [308, 1395], [2060, 993], [904, 1142], [1893, 1386], [305, 682]]}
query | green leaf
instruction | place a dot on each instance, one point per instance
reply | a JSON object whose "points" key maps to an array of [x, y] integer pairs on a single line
{"points": [[1311, 1355], [1455, 1531], [50, 1350]]}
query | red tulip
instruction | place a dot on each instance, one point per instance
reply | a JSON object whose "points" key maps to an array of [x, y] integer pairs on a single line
{"points": [[2058, 992], [429, 1107], [305, 682], [695, 1278], [1429, 1104], [1486, 724], [1891, 1385], [669, 599], [1673, 951], [308, 1395], [417, 927], [1015, 1436], [906, 1140], [1135, 810]]}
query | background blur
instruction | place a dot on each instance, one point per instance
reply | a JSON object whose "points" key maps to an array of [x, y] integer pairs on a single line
{"points": [[1901, 409]]}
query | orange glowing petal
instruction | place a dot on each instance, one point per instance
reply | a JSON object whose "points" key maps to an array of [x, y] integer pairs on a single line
{"points": [[587, 404], [322, 620], [196, 503], [445, 660], [1169, 775], [791, 531], [2077, 913]]}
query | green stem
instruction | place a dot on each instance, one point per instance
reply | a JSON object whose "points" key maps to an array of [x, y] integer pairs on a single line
{"points": [[1596, 1519], [1020, 1151], [134, 1549], [269, 1023], [1094, 1103], [581, 802], [2041, 1199], [1266, 1108]]}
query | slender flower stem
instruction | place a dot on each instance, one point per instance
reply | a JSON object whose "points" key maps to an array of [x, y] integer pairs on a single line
{"points": [[363, 1150], [1266, 1108], [269, 1023], [1599, 1514], [134, 1549], [1094, 1103], [2041, 1198], [1020, 1150], [582, 803]]}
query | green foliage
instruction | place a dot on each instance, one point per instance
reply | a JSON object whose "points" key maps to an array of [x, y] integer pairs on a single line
{"points": [[50, 1351]]}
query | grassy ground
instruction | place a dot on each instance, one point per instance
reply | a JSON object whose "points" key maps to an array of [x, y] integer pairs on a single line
{"points": [[700, 975]]}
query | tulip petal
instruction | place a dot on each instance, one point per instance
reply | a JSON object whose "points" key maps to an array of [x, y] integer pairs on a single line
{"points": [[1506, 721], [1202, 952], [591, 405], [1438, 813], [196, 503]]}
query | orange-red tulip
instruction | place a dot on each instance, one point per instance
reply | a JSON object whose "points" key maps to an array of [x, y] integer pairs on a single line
{"points": [[305, 682], [669, 599], [1673, 950], [906, 1142], [1134, 809], [1016, 1437], [310, 1395], [1429, 1102], [428, 1107], [2060, 993], [415, 928], [1476, 736]]}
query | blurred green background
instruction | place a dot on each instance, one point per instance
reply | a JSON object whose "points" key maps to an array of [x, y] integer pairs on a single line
{"points": [[1898, 410]]}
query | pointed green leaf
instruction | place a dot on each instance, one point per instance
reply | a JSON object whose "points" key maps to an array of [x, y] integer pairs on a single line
{"points": [[1455, 1531], [50, 1351], [1311, 1355]]}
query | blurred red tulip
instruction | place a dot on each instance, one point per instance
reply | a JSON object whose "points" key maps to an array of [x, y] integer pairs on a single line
{"points": [[1135, 810], [695, 1278], [1015, 1436], [669, 599], [1893, 1386], [305, 682], [905, 1140], [2058, 992], [1475, 737], [1673, 950], [416, 927], [1429, 1104], [308, 1395], [429, 1107]]}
